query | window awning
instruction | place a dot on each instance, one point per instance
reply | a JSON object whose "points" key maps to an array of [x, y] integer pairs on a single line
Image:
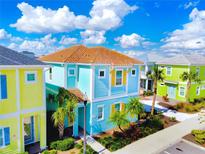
{"points": [[171, 82]]}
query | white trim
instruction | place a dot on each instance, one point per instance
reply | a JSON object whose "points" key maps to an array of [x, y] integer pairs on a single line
{"points": [[133, 69], [127, 74], [139, 80], [0, 88], [74, 69], [44, 103], [76, 78], [91, 97], [26, 75], [110, 84], [115, 96], [101, 77], [18, 108], [180, 91], [198, 68], [65, 76], [3, 146], [15, 114], [103, 110], [119, 69]]}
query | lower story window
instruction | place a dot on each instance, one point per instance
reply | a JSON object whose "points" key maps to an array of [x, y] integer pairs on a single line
{"points": [[100, 112], [4, 136], [181, 91], [117, 107], [198, 90]]}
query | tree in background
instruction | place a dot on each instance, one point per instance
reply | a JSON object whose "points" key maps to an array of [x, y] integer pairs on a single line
{"points": [[156, 75]]}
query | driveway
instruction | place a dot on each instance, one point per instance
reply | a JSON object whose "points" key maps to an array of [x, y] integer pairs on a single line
{"points": [[183, 148], [163, 139]]}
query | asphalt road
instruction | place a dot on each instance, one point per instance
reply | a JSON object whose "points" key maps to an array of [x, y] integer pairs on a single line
{"points": [[183, 148]]}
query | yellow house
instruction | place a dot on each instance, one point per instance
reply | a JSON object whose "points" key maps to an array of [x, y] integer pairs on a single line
{"points": [[22, 103]]}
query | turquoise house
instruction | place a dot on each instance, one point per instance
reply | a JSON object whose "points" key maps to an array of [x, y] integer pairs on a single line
{"points": [[108, 78]]}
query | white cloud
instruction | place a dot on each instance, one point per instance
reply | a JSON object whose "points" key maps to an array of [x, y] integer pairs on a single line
{"points": [[191, 37], [39, 46], [93, 37], [104, 15], [67, 40], [4, 34], [129, 41], [191, 4], [134, 53]]}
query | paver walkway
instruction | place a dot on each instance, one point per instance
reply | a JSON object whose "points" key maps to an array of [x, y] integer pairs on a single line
{"points": [[95, 145], [161, 140]]}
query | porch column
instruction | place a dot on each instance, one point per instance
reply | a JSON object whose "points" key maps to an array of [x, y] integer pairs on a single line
{"points": [[43, 129], [146, 84], [75, 124]]}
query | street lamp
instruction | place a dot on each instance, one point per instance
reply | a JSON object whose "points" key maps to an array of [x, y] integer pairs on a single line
{"points": [[85, 98]]}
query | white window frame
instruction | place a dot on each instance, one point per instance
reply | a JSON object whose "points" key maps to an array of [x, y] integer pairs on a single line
{"points": [[198, 71], [116, 78], [180, 91], [0, 88], [133, 69], [3, 138], [101, 77], [69, 71], [170, 70], [101, 106], [202, 88], [50, 75], [120, 105], [198, 93], [30, 72]]}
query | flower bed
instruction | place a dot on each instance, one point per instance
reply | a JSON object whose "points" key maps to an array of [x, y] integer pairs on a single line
{"points": [[134, 132]]}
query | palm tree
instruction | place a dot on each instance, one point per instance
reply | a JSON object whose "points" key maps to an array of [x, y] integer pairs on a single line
{"points": [[62, 96], [134, 107], [189, 77], [70, 106], [120, 119], [58, 118], [156, 75]]}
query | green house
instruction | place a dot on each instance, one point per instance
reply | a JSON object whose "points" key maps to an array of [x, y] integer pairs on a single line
{"points": [[173, 86]]}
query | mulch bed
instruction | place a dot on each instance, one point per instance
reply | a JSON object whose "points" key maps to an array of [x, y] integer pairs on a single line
{"points": [[190, 138], [168, 122]]}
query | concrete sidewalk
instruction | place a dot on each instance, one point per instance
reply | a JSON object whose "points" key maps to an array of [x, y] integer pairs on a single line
{"points": [[161, 140], [95, 145]]}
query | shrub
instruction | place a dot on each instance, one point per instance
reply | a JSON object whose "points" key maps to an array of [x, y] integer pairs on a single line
{"points": [[63, 145], [147, 131], [199, 136], [89, 150], [180, 105], [165, 98], [147, 93], [154, 122], [49, 152], [23, 152], [78, 146], [172, 119]]}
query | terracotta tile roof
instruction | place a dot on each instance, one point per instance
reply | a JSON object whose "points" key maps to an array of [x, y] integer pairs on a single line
{"points": [[94, 55], [77, 93]]}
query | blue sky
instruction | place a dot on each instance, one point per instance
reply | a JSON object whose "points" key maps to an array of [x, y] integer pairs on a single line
{"points": [[135, 27]]}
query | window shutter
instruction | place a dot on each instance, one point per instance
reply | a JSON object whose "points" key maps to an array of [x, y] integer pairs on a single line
{"points": [[112, 109], [112, 77], [122, 106], [124, 77], [7, 135], [3, 87]]}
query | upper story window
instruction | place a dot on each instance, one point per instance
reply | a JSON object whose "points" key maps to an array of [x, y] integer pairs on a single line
{"points": [[30, 77], [50, 73], [133, 72], [71, 72], [3, 87], [101, 73], [203, 87], [197, 90], [100, 112], [197, 71], [181, 91], [117, 107], [118, 78], [169, 70], [4, 136]]}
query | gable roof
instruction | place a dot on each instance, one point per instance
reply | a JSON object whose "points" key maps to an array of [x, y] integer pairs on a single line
{"points": [[94, 55], [11, 57], [181, 59]]}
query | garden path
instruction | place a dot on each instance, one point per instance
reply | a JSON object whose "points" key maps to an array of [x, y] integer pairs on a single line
{"points": [[95, 145]]}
